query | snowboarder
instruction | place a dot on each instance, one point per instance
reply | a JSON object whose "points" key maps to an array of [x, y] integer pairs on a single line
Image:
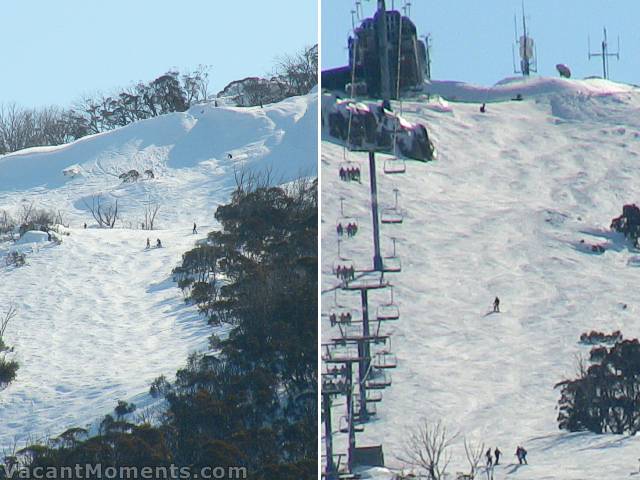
{"points": [[148, 243], [483, 108], [489, 458], [496, 305], [158, 243], [497, 454], [194, 228]]}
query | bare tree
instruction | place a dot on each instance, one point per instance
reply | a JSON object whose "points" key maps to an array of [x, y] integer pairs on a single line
{"points": [[473, 452], [151, 208], [4, 321], [105, 215], [427, 448]]}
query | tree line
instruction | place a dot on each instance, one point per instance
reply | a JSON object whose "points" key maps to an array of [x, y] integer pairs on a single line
{"points": [[171, 92]]}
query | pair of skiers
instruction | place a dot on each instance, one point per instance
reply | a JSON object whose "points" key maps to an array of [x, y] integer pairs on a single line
{"points": [[521, 453], [497, 454], [158, 243]]}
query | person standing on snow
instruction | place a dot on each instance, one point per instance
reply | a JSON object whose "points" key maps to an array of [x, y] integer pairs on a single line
{"points": [[489, 458], [148, 243], [194, 228], [496, 305], [497, 454]]}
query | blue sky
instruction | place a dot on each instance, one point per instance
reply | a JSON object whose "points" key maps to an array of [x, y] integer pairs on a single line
{"points": [[55, 51], [472, 38]]}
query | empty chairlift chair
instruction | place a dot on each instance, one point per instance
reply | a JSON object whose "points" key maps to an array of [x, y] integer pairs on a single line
{"points": [[392, 215], [394, 165], [344, 425], [388, 311], [392, 263]]}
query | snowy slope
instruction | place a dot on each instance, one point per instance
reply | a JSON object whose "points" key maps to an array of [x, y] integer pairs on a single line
{"points": [[99, 317], [501, 212]]}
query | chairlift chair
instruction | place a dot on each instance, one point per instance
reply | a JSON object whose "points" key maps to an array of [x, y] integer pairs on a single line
{"points": [[344, 425], [391, 215], [384, 360], [374, 396], [380, 382], [343, 316], [349, 166], [387, 312], [394, 165], [391, 264], [344, 224]]}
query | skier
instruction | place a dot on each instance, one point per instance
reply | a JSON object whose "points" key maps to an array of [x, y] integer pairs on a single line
{"points": [[489, 458], [483, 108], [85, 225], [497, 454], [523, 454], [158, 243], [148, 243], [194, 228], [496, 305]]}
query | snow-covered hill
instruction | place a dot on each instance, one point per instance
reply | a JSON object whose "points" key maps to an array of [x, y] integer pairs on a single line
{"points": [[99, 316], [502, 212]]}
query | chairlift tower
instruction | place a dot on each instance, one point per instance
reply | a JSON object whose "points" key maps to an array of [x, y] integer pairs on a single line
{"points": [[526, 48], [604, 53]]}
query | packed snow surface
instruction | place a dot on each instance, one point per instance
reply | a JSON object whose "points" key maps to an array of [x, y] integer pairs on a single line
{"points": [[99, 316], [501, 213]]}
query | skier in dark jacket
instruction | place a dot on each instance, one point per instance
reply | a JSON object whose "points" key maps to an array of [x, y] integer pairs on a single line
{"points": [[148, 243], [497, 454], [489, 458], [194, 228], [496, 305]]}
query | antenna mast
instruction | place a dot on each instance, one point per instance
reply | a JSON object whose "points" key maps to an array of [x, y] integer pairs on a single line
{"points": [[526, 48], [604, 53]]}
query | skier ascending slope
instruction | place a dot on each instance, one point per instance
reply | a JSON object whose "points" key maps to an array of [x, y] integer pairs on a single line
{"points": [[496, 305]]}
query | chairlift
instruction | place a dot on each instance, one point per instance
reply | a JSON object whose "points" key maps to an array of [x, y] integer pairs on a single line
{"points": [[344, 425], [392, 263], [384, 360], [346, 227], [349, 171], [392, 214], [394, 165], [379, 382], [388, 311], [371, 411], [343, 316], [374, 396]]}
